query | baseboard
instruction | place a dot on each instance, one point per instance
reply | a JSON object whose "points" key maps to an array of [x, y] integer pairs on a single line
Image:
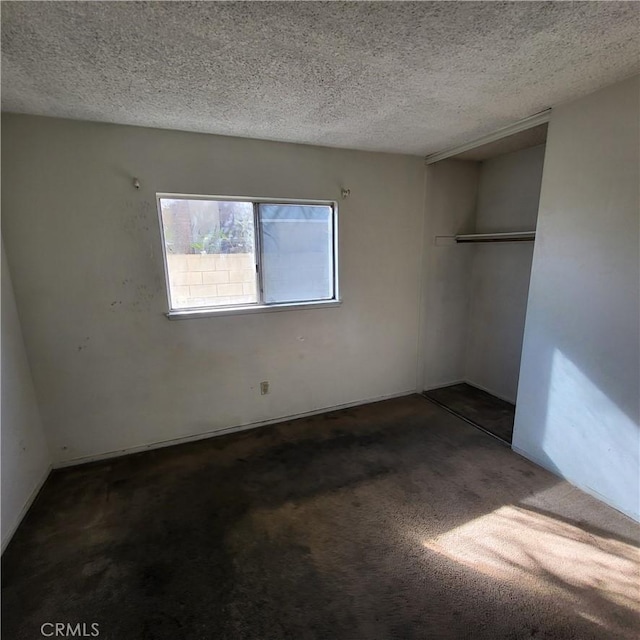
{"points": [[592, 492], [25, 508], [443, 384], [490, 392], [224, 431]]}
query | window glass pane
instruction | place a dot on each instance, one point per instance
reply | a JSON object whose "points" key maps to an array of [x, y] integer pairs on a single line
{"points": [[297, 252], [210, 250]]}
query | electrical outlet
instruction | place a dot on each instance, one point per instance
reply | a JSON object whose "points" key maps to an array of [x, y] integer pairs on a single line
{"points": [[264, 387]]}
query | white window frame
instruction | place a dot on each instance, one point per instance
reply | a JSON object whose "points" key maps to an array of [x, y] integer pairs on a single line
{"points": [[260, 306]]}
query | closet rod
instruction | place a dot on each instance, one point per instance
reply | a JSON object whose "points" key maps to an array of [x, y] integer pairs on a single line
{"points": [[510, 236]]}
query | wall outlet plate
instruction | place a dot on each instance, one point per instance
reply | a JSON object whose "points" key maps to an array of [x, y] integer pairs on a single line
{"points": [[264, 387]]}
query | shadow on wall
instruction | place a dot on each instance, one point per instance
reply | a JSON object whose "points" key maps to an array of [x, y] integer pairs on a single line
{"points": [[577, 404], [582, 432], [578, 412]]}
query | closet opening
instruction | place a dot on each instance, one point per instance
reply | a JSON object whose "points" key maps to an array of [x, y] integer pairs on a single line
{"points": [[484, 208]]}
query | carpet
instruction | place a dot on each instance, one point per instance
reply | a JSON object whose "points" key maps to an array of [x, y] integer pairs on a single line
{"points": [[479, 407], [390, 520]]}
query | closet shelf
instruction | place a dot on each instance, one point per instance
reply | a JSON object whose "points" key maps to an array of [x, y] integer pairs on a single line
{"points": [[508, 236]]}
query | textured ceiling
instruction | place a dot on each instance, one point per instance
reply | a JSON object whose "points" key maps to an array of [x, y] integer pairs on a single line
{"points": [[413, 77]]}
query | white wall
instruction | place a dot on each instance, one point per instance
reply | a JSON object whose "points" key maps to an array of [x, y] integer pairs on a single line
{"points": [[111, 372], [577, 411], [508, 195], [451, 188], [25, 455]]}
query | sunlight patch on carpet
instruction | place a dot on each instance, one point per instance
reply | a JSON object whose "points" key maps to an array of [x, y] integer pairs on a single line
{"points": [[516, 544]]}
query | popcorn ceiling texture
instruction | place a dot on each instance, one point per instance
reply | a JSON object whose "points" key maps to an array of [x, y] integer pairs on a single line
{"points": [[411, 77]]}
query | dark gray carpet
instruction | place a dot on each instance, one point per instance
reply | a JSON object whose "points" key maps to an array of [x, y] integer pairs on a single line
{"points": [[391, 520], [477, 406]]}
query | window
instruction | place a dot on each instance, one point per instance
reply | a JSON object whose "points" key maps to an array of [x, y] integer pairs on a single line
{"points": [[230, 255]]}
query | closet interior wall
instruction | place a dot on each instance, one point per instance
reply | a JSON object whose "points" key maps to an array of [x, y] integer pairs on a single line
{"points": [[508, 196], [476, 294], [451, 192]]}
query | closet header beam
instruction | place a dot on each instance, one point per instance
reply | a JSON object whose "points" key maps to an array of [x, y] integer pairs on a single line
{"points": [[516, 127]]}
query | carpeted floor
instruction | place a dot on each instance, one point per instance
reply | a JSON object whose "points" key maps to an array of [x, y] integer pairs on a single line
{"points": [[484, 410], [391, 520]]}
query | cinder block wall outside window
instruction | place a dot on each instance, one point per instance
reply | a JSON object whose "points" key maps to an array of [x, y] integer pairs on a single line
{"points": [[212, 279]]}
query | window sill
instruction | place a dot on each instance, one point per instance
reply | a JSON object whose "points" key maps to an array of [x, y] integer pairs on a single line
{"points": [[189, 314]]}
